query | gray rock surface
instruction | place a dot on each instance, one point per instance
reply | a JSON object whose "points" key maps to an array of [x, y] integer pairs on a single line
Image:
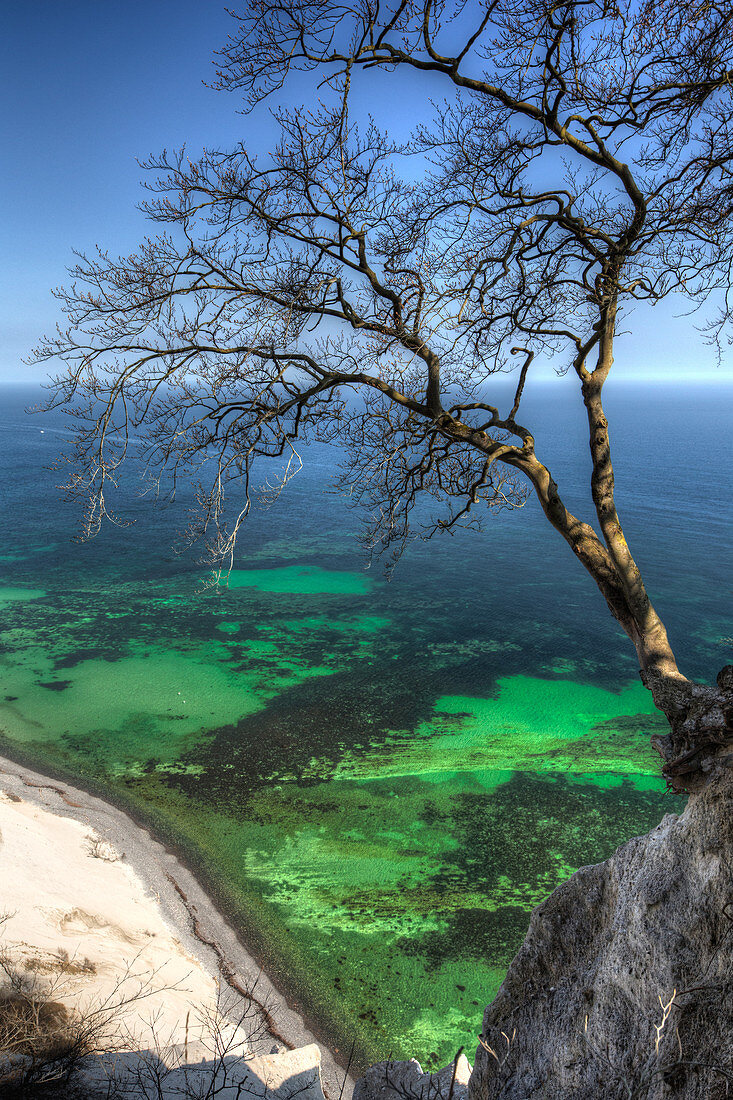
{"points": [[407, 1081], [623, 986]]}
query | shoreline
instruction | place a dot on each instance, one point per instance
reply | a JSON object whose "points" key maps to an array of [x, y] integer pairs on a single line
{"points": [[185, 906]]}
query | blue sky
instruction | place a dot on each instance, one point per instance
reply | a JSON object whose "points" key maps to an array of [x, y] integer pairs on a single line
{"points": [[91, 87]]}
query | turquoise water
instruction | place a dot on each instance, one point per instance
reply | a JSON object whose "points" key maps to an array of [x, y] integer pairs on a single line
{"points": [[379, 781]]}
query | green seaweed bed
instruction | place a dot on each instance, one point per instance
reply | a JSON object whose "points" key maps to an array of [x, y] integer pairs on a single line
{"points": [[380, 838]]}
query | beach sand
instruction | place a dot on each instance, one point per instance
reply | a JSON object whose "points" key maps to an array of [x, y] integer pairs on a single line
{"points": [[111, 917]]}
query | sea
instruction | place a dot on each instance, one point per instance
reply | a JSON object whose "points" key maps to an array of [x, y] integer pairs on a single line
{"points": [[377, 779]]}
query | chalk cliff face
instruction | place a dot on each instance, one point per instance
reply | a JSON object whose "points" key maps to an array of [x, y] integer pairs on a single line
{"points": [[407, 1081], [624, 984]]}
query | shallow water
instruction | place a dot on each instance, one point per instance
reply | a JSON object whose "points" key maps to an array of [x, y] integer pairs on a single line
{"points": [[379, 780]]}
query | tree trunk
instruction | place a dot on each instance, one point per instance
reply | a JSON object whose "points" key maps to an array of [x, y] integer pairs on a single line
{"points": [[700, 717]]}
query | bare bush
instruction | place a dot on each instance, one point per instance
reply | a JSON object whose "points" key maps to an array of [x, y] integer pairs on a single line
{"points": [[90, 1052], [45, 1046]]}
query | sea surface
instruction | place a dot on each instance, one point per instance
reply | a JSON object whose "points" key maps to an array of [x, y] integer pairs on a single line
{"points": [[378, 781]]}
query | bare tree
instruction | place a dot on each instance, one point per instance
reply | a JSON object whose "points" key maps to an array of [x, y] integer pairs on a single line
{"points": [[353, 289]]}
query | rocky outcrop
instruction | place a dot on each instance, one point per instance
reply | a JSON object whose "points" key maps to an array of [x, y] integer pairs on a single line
{"points": [[623, 986], [407, 1081]]}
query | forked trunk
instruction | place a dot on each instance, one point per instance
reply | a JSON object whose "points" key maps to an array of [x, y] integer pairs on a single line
{"points": [[700, 742]]}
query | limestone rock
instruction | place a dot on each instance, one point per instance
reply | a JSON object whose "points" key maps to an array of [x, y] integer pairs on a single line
{"points": [[623, 984], [407, 1081]]}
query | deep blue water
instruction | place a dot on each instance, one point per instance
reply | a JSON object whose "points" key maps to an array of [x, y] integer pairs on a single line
{"points": [[672, 451]]}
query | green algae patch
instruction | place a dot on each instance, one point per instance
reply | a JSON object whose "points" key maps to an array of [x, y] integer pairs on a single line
{"points": [[143, 709], [285, 669], [343, 907], [399, 902], [150, 702], [301, 580], [532, 725], [9, 595], [398, 877], [229, 628]]}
